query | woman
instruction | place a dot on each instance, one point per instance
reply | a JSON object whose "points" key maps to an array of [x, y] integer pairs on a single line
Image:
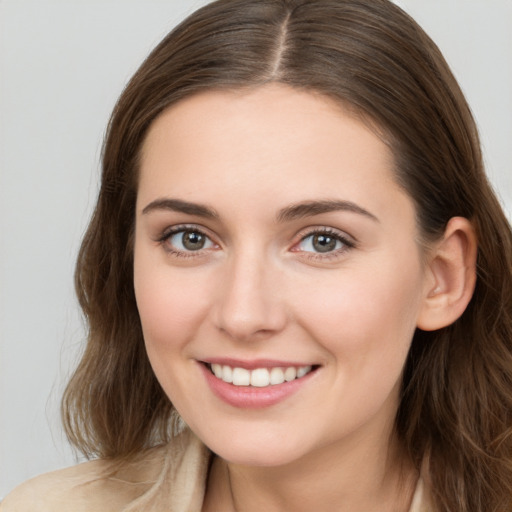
{"points": [[286, 303]]}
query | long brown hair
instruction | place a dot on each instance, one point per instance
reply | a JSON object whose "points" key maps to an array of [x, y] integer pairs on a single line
{"points": [[456, 404]]}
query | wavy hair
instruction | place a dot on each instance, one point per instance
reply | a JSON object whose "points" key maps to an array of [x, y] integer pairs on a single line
{"points": [[456, 402]]}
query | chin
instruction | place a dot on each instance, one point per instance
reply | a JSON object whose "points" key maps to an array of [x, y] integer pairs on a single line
{"points": [[258, 452], [258, 458]]}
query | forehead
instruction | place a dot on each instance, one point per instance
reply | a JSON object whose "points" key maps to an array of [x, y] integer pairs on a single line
{"points": [[273, 106], [273, 141]]}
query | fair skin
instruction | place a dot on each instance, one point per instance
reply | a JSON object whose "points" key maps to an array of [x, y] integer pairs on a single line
{"points": [[270, 233]]}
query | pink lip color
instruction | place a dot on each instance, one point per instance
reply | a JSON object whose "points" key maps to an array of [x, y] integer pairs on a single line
{"points": [[248, 397]]}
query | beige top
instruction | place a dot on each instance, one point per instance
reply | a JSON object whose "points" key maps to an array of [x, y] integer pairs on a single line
{"points": [[167, 479]]}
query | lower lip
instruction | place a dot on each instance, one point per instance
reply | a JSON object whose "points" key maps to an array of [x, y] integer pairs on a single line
{"points": [[249, 397]]}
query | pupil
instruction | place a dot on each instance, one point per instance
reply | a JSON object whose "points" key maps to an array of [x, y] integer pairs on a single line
{"points": [[193, 241], [324, 243]]}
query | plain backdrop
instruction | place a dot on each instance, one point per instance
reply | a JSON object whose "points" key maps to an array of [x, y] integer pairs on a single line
{"points": [[63, 63]]}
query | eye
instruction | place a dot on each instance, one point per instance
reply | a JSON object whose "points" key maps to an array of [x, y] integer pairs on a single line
{"points": [[187, 240], [322, 242]]}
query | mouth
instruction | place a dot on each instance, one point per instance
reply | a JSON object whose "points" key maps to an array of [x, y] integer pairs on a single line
{"points": [[258, 377], [256, 384]]}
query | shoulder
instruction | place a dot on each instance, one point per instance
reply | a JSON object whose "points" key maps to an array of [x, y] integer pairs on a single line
{"points": [[56, 491], [177, 470], [88, 487]]}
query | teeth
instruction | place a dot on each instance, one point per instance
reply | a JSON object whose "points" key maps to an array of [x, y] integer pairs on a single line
{"points": [[259, 377], [290, 374], [276, 376], [227, 374], [217, 370], [241, 377], [303, 370]]}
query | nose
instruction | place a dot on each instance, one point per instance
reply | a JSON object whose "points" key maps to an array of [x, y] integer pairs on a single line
{"points": [[251, 303]]}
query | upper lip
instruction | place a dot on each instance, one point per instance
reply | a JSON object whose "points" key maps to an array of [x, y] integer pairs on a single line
{"points": [[255, 363]]}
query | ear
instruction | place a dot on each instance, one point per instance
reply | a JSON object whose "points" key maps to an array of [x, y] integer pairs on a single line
{"points": [[450, 276]]}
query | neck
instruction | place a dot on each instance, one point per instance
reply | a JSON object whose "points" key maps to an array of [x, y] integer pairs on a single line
{"points": [[362, 477]]}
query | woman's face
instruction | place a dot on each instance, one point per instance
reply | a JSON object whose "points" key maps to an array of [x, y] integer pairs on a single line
{"points": [[274, 248]]}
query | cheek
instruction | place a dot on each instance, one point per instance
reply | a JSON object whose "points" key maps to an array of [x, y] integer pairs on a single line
{"points": [[365, 311], [365, 323], [171, 303], [171, 307]]}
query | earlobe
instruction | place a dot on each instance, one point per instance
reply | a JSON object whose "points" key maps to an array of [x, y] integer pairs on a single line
{"points": [[451, 276]]}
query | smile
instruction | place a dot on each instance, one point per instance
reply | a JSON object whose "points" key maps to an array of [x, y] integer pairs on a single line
{"points": [[256, 384], [258, 377]]}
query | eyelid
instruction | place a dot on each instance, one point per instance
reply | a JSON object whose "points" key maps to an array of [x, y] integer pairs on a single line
{"points": [[169, 231], [320, 229], [347, 240], [177, 228]]}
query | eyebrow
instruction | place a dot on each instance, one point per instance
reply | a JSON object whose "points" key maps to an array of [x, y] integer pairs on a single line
{"points": [[292, 212], [178, 205], [311, 208]]}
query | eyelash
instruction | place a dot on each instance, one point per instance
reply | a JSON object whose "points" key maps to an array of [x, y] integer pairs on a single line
{"points": [[168, 233], [347, 243]]}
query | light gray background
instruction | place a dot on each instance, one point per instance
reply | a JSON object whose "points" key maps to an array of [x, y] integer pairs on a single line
{"points": [[62, 66]]}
